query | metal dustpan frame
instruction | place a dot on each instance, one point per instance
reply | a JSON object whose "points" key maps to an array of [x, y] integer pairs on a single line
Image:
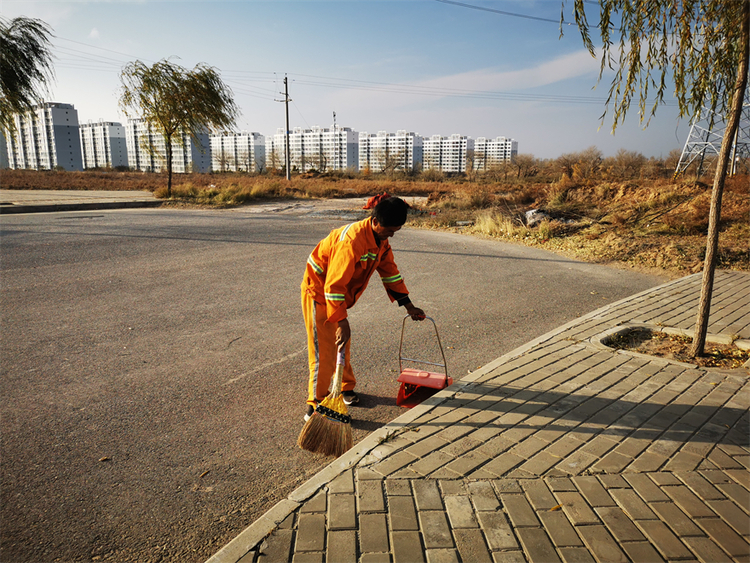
{"points": [[401, 358], [403, 399]]}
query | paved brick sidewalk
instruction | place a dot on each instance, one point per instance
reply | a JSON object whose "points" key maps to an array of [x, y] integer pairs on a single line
{"points": [[563, 450]]}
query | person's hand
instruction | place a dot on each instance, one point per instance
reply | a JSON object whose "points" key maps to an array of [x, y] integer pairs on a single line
{"points": [[415, 313], [343, 333]]}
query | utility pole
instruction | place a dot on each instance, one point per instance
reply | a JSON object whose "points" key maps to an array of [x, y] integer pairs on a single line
{"points": [[336, 140], [288, 158]]}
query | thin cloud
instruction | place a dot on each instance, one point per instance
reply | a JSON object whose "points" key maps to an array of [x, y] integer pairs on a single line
{"points": [[573, 65], [475, 83]]}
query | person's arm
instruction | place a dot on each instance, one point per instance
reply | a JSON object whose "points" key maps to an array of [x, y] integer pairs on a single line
{"points": [[392, 279], [395, 286], [338, 276]]}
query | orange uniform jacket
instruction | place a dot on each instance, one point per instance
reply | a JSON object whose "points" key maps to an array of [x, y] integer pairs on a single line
{"points": [[339, 268]]}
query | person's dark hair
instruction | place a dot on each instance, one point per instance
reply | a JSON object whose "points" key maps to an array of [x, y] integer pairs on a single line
{"points": [[391, 212]]}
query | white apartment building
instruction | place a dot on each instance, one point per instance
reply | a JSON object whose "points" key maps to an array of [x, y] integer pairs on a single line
{"points": [[382, 151], [45, 138], [447, 154], [238, 152], [489, 153], [3, 152], [147, 150], [340, 146], [103, 144], [316, 148]]}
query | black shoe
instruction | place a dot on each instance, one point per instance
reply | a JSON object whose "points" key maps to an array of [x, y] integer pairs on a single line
{"points": [[350, 397], [310, 411]]}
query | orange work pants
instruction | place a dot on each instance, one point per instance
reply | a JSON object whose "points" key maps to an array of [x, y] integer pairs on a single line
{"points": [[321, 351]]}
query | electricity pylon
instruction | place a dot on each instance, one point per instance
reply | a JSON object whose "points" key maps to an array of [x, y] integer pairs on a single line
{"points": [[706, 135]]}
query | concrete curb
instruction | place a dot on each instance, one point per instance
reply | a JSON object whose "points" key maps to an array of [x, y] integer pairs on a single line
{"points": [[82, 206]]}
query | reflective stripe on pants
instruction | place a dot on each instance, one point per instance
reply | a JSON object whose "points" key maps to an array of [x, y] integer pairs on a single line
{"points": [[321, 351]]}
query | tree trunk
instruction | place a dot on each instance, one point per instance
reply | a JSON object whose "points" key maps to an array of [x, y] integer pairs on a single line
{"points": [[712, 241], [168, 147]]}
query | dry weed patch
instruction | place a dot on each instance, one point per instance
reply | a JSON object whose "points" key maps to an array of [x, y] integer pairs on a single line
{"points": [[645, 225]]}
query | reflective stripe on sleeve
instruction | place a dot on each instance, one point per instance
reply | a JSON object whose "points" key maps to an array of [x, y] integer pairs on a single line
{"points": [[318, 269], [346, 229], [392, 279], [334, 297]]}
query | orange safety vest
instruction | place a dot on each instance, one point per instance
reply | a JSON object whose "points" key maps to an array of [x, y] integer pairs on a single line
{"points": [[339, 268]]}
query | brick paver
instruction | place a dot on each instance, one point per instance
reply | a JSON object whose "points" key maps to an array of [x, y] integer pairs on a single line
{"points": [[373, 533], [561, 451]]}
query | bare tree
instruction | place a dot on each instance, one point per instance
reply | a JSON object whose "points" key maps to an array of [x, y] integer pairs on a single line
{"points": [[470, 168], [395, 160], [222, 159], [587, 163], [322, 160], [481, 162], [274, 160], [625, 164], [244, 161], [524, 164], [565, 163]]}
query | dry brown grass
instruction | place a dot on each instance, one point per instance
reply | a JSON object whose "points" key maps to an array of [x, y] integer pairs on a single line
{"points": [[89, 180], [217, 188], [677, 347], [643, 224]]}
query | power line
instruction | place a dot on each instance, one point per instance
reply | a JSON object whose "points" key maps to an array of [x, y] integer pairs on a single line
{"points": [[300, 114], [501, 12], [341, 83], [252, 94], [101, 48], [99, 58]]}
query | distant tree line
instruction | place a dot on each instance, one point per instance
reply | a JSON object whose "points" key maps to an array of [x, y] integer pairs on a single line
{"points": [[582, 167]]}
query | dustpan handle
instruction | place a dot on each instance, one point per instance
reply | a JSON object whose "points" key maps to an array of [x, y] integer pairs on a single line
{"points": [[440, 345]]}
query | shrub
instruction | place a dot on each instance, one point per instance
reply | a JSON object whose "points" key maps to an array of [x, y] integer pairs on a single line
{"points": [[432, 175], [498, 225]]}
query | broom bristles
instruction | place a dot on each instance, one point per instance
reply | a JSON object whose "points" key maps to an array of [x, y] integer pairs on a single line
{"points": [[328, 431], [324, 436]]}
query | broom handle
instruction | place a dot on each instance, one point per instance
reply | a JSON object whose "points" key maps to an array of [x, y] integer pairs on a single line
{"points": [[338, 375]]}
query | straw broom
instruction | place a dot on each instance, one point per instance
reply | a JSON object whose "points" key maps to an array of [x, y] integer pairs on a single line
{"points": [[329, 431]]}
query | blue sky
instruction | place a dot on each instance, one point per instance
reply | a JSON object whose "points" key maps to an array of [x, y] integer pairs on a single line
{"points": [[428, 66]]}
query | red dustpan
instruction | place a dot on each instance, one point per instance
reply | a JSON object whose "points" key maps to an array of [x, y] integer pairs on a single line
{"points": [[417, 384]]}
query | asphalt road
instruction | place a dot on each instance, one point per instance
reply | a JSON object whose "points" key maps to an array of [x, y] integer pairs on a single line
{"points": [[153, 365]]}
